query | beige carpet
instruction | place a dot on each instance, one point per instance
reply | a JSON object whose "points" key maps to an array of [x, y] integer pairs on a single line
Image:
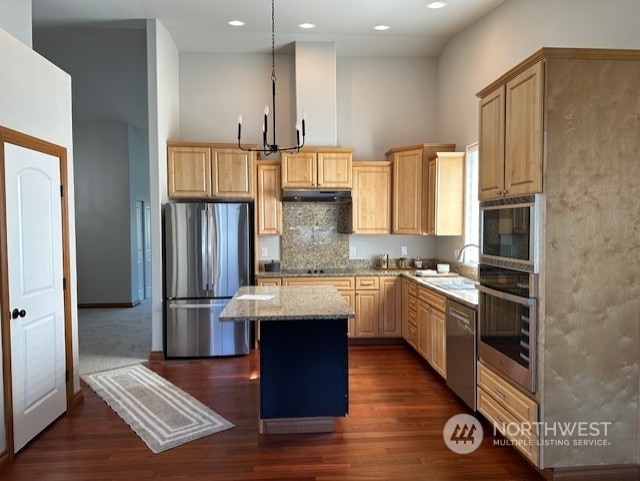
{"points": [[114, 337], [163, 415]]}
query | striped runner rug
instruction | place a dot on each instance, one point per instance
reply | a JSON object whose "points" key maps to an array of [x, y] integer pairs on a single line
{"points": [[163, 415]]}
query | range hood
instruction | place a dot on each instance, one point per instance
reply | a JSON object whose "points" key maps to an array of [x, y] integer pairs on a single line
{"points": [[311, 195]]}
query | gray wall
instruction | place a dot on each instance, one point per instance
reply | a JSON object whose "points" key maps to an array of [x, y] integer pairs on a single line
{"points": [[485, 50], [108, 70], [15, 19]]}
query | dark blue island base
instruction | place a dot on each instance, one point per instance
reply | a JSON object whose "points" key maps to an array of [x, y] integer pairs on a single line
{"points": [[304, 379]]}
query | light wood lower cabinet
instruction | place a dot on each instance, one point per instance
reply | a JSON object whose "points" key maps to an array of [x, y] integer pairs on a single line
{"points": [[367, 306], [512, 412], [424, 324], [376, 301], [409, 312]]}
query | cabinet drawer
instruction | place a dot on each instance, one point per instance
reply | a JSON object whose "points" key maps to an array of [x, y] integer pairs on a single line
{"points": [[413, 317], [412, 288], [523, 407], [369, 282], [524, 438], [413, 335], [340, 283], [435, 300], [270, 281], [413, 302]]}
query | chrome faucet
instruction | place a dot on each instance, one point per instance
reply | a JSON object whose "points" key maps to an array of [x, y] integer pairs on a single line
{"points": [[461, 254]]}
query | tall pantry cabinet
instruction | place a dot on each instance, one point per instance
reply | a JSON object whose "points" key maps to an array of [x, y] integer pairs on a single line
{"points": [[566, 123]]}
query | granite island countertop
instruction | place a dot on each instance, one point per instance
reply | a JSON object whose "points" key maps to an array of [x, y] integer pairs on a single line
{"points": [[286, 303]]}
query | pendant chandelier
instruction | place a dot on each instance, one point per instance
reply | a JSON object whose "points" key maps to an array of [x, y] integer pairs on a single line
{"points": [[272, 148]]}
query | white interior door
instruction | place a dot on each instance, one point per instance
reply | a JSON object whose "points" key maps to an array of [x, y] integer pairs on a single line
{"points": [[147, 250], [36, 298]]}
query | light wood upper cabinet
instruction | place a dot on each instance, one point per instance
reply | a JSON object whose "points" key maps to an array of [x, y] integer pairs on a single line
{"points": [[317, 168], [511, 124], [371, 199], [189, 172], [334, 170], [523, 134], [300, 170], [444, 208], [209, 171], [407, 192], [269, 198], [491, 145], [232, 173], [409, 185]]}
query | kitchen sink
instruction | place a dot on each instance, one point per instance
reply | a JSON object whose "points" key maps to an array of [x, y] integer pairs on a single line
{"points": [[452, 284]]}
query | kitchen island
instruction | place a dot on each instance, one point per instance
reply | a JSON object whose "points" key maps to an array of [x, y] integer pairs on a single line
{"points": [[304, 380]]}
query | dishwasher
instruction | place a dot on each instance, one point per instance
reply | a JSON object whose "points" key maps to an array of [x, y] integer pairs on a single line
{"points": [[461, 351]]}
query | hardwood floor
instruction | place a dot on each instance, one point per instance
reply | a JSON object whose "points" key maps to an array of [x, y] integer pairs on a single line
{"points": [[398, 407]]}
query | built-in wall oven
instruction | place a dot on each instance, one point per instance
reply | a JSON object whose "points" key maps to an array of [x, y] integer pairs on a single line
{"points": [[508, 275], [509, 232]]}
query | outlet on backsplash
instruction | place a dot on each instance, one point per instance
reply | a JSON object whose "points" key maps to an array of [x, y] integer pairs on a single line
{"points": [[403, 250]]}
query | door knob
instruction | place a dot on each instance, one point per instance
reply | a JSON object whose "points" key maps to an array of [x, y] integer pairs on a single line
{"points": [[18, 313]]}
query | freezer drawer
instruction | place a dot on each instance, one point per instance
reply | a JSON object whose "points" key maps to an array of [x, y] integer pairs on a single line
{"points": [[192, 329]]}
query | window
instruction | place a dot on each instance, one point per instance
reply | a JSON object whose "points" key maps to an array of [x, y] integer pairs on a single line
{"points": [[471, 205]]}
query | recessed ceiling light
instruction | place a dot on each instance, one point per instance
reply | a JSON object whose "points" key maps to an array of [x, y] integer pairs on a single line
{"points": [[236, 23], [382, 27], [435, 5], [307, 25]]}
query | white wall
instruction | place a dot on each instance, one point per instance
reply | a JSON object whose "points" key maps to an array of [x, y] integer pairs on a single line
{"points": [[138, 154], [36, 100], [15, 19], [316, 91], [102, 212], [108, 67], [385, 103], [485, 50], [164, 124], [215, 88]]}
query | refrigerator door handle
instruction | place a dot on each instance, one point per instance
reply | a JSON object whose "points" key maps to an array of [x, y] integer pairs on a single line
{"points": [[204, 259], [210, 224]]}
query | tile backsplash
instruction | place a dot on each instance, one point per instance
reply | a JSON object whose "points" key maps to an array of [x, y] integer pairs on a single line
{"points": [[314, 235]]}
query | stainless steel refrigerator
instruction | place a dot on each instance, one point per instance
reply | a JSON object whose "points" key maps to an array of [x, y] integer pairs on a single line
{"points": [[207, 257]]}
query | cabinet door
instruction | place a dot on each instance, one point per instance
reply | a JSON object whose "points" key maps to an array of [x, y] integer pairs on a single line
{"points": [[189, 172], [371, 199], [405, 309], [445, 199], [299, 170], [523, 137], [438, 342], [334, 170], [431, 204], [407, 192], [491, 145], [424, 331], [232, 173], [389, 322], [350, 298], [367, 305], [269, 198]]}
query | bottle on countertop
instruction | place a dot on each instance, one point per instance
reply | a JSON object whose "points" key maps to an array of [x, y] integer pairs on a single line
{"points": [[383, 261]]}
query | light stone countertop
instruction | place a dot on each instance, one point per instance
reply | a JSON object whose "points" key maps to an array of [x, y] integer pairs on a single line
{"points": [[287, 303]]}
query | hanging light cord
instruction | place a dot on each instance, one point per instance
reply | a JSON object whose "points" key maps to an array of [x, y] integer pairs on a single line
{"points": [[273, 147]]}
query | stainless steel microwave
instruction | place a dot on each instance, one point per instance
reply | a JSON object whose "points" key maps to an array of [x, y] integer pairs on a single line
{"points": [[509, 232]]}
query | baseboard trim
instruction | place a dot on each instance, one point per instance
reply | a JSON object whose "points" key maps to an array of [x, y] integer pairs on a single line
{"points": [[296, 425], [611, 472], [4, 459], [97, 305], [78, 399], [156, 356], [368, 341]]}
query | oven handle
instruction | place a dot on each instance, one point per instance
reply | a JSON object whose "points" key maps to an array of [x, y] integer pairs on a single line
{"points": [[527, 301]]}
